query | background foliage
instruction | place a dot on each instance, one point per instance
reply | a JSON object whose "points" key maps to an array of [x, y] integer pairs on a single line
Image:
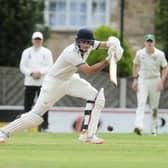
{"points": [[161, 24], [125, 64], [18, 20]]}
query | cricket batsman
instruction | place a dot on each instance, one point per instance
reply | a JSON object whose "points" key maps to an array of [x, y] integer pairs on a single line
{"points": [[63, 79]]}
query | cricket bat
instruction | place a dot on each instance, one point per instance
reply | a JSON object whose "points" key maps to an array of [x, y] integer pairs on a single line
{"points": [[113, 69]]}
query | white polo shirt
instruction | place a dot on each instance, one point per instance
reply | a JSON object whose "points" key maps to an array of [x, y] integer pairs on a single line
{"points": [[149, 65], [69, 60], [35, 60]]}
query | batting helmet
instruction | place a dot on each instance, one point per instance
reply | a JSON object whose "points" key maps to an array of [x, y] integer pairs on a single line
{"points": [[84, 35]]}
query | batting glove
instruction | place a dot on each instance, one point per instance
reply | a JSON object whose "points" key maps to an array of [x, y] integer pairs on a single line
{"points": [[114, 46], [111, 52], [112, 41]]}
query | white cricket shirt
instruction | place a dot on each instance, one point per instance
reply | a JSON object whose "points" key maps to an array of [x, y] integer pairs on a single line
{"points": [[68, 61], [149, 66]]}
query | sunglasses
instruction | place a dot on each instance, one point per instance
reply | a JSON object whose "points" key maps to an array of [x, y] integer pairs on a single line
{"points": [[37, 39], [149, 41]]}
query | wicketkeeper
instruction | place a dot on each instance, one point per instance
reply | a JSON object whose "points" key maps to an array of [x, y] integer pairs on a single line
{"points": [[62, 79]]}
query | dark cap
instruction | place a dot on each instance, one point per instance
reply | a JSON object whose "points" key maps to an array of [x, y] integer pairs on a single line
{"points": [[84, 35]]}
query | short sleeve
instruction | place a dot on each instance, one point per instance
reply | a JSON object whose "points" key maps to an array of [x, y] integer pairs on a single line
{"points": [[163, 60], [96, 45], [136, 58]]}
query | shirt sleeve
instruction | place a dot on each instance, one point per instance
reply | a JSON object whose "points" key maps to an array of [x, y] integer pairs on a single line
{"points": [[136, 58], [96, 44], [163, 60], [24, 63], [74, 59], [49, 62]]}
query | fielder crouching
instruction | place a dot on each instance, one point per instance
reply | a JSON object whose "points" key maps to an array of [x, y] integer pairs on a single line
{"points": [[62, 79]]}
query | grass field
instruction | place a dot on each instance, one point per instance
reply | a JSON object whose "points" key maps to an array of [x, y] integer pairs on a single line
{"points": [[48, 150]]}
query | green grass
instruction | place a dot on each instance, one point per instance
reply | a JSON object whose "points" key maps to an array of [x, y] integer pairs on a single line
{"points": [[48, 150]]}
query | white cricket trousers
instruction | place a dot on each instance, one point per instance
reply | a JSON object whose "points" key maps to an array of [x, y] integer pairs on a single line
{"points": [[146, 88], [53, 89]]}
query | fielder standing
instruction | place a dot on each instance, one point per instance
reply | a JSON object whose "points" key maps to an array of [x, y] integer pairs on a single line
{"points": [[149, 73], [62, 80]]}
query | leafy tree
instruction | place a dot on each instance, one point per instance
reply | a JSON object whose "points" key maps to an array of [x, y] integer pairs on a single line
{"points": [[161, 24], [18, 20], [125, 64]]}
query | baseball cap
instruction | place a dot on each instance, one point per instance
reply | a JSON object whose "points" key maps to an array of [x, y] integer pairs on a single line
{"points": [[149, 37], [37, 35]]}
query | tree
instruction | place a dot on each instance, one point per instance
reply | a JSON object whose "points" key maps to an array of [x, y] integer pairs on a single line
{"points": [[125, 64], [161, 24], [18, 20]]}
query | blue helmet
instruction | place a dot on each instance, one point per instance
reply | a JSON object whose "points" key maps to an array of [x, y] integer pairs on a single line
{"points": [[84, 35]]}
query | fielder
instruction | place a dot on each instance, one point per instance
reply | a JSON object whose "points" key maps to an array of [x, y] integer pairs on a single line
{"points": [[148, 81], [62, 80]]}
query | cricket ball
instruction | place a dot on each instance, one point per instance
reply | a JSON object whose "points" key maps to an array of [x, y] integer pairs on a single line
{"points": [[110, 128]]}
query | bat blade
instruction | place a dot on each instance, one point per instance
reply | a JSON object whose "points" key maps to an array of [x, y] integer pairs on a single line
{"points": [[113, 70]]}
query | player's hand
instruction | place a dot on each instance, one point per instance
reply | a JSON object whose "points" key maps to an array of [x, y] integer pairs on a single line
{"points": [[36, 75], [112, 52], [114, 46], [135, 85], [113, 41], [160, 86], [108, 58]]}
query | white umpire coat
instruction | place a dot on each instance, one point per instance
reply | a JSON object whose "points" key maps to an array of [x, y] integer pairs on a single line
{"points": [[35, 60]]}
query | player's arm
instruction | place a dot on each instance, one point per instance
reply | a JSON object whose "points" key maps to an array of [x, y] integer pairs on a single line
{"points": [[164, 66], [48, 62], [135, 77], [103, 45], [135, 71], [106, 44], [24, 68], [111, 42], [164, 74], [91, 70]]}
